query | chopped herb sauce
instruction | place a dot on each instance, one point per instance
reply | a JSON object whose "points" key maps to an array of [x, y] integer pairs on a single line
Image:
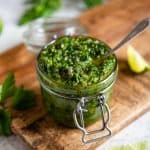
{"points": [[72, 61]]}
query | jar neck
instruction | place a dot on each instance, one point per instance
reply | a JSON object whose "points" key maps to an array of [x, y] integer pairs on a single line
{"points": [[73, 96]]}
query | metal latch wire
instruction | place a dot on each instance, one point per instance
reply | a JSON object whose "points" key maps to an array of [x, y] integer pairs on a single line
{"points": [[80, 110]]}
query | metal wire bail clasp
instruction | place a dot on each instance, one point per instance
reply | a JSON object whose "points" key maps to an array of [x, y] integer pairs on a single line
{"points": [[105, 117]]}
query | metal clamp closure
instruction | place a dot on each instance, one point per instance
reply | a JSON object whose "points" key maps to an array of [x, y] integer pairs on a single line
{"points": [[105, 117]]}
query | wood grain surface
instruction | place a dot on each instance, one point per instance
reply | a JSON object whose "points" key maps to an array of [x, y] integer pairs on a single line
{"points": [[131, 95]]}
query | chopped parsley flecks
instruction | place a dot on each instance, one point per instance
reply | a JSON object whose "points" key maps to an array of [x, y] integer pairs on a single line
{"points": [[70, 61]]}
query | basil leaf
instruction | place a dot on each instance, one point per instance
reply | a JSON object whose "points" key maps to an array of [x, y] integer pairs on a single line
{"points": [[23, 99], [7, 89], [5, 122]]}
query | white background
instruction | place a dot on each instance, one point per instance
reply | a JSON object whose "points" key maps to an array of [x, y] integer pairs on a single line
{"points": [[10, 11]]}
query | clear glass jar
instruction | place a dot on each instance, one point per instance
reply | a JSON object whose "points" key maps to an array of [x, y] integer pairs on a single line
{"points": [[42, 31]]}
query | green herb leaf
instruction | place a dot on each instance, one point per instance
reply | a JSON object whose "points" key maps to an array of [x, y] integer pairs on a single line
{"points": [[1, 25], [5, 122], [92, 3], [137, 146], [23, 99], [7, 89], [39, 8]]}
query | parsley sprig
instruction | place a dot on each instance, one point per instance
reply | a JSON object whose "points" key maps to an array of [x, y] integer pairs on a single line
{"points": [[39, 8], [21, 99], [7, 89], [44, 8], [5, 122]]}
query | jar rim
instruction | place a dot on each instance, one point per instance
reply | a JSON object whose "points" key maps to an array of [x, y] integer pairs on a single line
{"points": [[74, 90]]}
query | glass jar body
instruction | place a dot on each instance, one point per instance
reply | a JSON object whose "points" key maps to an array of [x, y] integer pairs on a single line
{"points": [[61, 109], [61, 105]]}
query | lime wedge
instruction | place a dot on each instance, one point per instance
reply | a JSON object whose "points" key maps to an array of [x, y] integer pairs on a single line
{"points": [[135, 146], [136, 62]]}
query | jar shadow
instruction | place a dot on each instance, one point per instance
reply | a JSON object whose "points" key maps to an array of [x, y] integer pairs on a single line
{"points": [[124, 67]]}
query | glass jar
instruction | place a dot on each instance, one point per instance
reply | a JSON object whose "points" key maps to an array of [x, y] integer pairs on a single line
{"points": [[78, 108], [40, 32]]}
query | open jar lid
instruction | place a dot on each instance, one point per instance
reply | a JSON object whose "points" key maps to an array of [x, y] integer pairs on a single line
{"points": [[42, 31]]}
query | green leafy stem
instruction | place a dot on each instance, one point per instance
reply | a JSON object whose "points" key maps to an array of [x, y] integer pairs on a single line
{"points": [[21, 99]]}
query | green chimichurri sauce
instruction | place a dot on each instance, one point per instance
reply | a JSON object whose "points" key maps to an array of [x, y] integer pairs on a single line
{"points": [[70, 61], [70, 67]]}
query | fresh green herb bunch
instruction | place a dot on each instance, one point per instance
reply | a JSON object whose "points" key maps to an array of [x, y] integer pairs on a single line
{"points": [[45, 8], [5, 122], [92, 3], [39, 8], [22, 99], [72, 61]]}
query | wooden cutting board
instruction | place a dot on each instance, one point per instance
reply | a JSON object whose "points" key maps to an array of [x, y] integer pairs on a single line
{"points": [[131, 95]]}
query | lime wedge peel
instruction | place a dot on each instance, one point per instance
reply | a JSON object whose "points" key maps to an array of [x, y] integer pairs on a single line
{"points": [[136, 62], [134, 146]]}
